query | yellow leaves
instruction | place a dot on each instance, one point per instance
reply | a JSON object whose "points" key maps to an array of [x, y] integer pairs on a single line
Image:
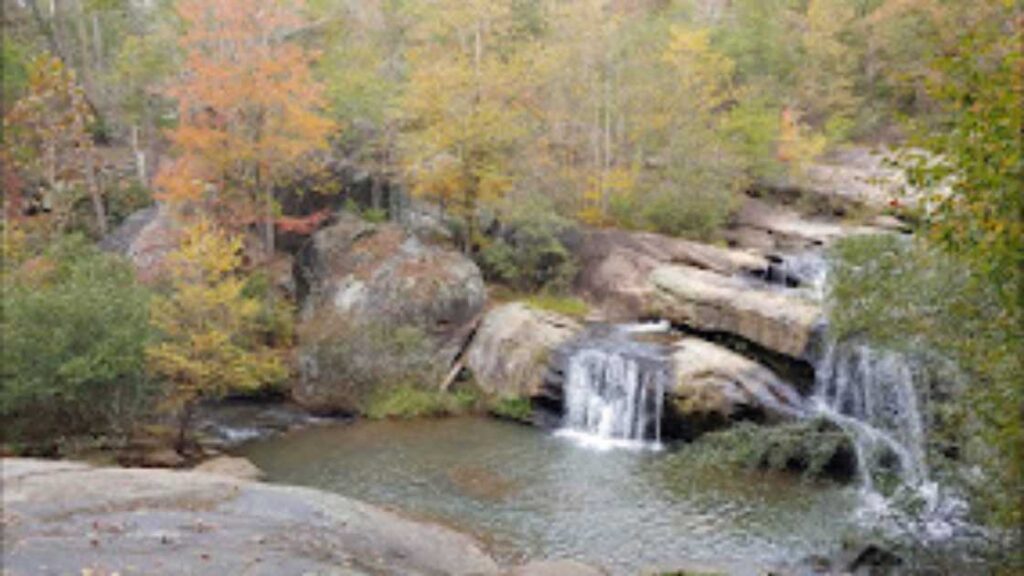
{"points": [[210, 335], [704, 75], [797, 145]]}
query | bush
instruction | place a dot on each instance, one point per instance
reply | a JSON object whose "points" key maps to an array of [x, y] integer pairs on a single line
{"points": [[407, 401], [817, 449], [361, 360], [75, 327], [564, 305], [516, 408], [530, 253]]}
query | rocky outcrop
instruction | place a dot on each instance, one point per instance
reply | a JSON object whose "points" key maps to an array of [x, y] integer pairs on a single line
{"points": [[145, 238], [66, 518], [768, 228], [360, 283], [714, 386], [777, 320], [615, 266], [510, 352], [380, 273]]}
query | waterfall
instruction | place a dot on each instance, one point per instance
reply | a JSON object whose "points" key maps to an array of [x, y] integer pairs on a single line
{"points": [[870, 394], [614, 391]]}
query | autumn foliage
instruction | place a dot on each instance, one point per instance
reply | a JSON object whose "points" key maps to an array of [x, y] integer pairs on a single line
{"points": [[248, 109], [210, 338]]}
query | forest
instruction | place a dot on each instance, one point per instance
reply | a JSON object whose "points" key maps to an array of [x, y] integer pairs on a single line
{"points": [[396, 210]]}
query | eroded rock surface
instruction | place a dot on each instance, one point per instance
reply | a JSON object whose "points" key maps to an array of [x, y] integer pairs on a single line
{"points": [[782, 322], [509, 354], [616, 266], [714, 386], [363, 280], [63, 518]]}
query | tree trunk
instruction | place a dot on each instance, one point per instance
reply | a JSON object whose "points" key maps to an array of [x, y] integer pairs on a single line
{"points": [[268, 225], [92, 180], [184, 423], [140, 155]]}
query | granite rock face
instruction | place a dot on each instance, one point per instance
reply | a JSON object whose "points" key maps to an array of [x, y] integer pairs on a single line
{"points": [[360, 285], [509, 354], [166, 522]]}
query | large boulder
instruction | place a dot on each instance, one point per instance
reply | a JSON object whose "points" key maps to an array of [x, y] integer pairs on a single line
{"points": [[509, 354], [145, 238], [366, 287], [777, 320], [714, 386], [63, 518], [615, 266]]}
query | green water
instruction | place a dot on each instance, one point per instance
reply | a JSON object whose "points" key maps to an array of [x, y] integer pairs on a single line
{"points": [[530, 495]]}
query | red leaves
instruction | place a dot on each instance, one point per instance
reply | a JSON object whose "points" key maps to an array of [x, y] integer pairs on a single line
{"points": [[302, 224]]}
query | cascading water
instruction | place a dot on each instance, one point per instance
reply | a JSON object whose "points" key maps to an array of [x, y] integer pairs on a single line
{"points": [[614, 391], [871, 395]]}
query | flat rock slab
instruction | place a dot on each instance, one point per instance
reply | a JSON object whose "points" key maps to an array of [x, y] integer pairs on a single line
{"points": [[63, 518], [709, 302]]}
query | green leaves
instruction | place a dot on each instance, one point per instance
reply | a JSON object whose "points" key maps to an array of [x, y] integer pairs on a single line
{"points": [[74, 338]]}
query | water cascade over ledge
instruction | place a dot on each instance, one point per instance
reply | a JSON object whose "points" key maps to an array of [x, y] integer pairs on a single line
{"points": [[615, 389]]}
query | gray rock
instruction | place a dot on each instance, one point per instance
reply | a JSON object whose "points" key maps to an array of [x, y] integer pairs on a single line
{"points": [[356, 276], [145, 238], [615, 266], [714, 386], [780, 321], [165, 522], [509, 353]]}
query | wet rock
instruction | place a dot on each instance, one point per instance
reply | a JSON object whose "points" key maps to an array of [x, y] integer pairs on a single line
{"points": [[767, 227], [162, 522], [782, 322], [232, 466], [510, 351], [713, 387], [226, 423]]}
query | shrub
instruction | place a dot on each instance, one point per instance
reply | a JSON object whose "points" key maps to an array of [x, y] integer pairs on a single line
{"points": [[817, 449], [530, 253], [361, 359], [565, 305], [515, 408], [75, 327], [406, 401]]}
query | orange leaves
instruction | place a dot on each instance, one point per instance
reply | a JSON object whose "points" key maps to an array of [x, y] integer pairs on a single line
{"points": [[249, 107]]}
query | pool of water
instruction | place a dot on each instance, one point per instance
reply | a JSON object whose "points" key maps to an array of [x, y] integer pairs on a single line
{"points": [[531, 495]]}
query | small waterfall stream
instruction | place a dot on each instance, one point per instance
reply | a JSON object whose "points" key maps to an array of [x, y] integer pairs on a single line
{"points": [[615, 388], [871, 395]]}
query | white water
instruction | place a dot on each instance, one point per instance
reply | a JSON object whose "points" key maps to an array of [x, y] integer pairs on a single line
{"points": [[870, 394], [614, 393]]}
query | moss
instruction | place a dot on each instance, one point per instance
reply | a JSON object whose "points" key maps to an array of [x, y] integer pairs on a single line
{"points": [[565, 305], [406, 401], [512, 408]]}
